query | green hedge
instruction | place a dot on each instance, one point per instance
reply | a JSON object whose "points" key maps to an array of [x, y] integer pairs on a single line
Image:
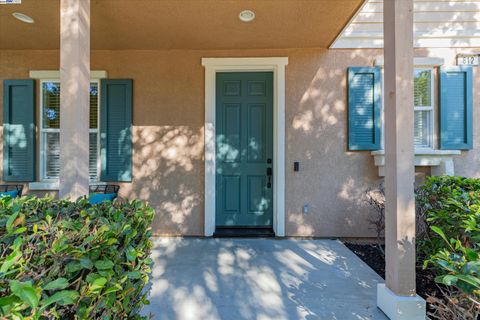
{"points": [[452, 246], [65, 260]]}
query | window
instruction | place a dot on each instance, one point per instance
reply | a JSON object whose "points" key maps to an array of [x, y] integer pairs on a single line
{"points": [[50, 131], [423, 107]]}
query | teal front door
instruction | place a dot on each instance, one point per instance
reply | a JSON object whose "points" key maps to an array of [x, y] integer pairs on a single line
{"points": [[244, 149]]}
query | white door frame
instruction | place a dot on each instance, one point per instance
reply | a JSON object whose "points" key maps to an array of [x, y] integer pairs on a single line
{"points": [[277, 66]]}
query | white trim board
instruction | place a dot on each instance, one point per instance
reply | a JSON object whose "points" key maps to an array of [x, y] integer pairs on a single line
{"points": [[417, 62], [277, 66], [55, 74]]}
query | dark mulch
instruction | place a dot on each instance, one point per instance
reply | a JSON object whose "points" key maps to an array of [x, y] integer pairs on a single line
{"points": [[372, 256]]}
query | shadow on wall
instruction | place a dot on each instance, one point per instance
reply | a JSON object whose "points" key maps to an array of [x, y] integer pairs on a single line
{"points": [[332, 180], [26, 191], [247, 279], [168, 173]]}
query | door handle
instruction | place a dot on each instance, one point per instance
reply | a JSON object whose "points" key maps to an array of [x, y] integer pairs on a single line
{"points": [[269, 177]]}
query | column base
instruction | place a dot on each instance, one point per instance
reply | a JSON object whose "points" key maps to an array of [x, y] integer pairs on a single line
{"points": [[399, 307]]}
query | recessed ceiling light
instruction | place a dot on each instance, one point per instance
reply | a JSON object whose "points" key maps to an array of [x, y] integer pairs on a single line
{"points": [[23, 17], [246, 15]]}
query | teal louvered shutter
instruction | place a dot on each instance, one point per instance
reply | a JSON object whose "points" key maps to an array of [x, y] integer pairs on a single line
{"points": [[116, 130], [364, 108], [456, 108], [19, 130]]}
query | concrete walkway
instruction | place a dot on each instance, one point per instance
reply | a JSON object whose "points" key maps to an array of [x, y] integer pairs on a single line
{"points": [[197, 279]]}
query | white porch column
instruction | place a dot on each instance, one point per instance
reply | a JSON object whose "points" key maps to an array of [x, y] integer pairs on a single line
{"points": [[74, 97], [397, 298]]}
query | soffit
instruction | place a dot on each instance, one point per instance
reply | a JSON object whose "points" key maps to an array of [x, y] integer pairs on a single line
{"points": [[184, 24]]}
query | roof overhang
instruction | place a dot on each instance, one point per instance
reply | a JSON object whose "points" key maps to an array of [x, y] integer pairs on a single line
{"points": [[186, 24]]}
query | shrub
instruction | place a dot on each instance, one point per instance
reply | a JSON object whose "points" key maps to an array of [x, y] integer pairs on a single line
{"points": [[448, 241], [375, 198], [453, 305], [458, 265], [458, 269], [453, 205], [65, 260], [452, 245]]}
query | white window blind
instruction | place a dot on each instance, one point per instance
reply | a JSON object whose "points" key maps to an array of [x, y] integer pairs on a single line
{"points": [[50, 131], [423, 107]]}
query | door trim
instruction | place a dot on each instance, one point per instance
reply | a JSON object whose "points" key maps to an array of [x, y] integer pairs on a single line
{"points": [[277, 66]]}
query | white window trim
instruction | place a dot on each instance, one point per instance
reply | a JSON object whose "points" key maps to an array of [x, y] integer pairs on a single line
{"points": [[54, 76], [277, 66], [42, 130], [418, 62], [431, 108], [440, 161], [47, 186], [54, 186], [426, 64]]}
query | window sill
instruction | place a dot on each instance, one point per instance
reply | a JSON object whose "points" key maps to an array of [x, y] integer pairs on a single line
{"points": [[53, 185], [441, 161]]}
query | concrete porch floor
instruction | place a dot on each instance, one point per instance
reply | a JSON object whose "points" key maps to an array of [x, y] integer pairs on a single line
{"points": [[197, 279]]}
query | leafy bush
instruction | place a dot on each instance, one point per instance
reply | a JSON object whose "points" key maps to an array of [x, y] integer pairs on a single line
{"points": [[458, 265], [448, 241], [453, 205], [65, 260], [452, 246], [459, 273]]}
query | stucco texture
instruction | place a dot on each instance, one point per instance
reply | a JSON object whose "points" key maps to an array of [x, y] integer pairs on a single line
{"points": [[168, 134]]}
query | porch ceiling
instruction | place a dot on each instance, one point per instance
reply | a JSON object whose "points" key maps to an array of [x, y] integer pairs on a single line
{"points": [[187, 24]]}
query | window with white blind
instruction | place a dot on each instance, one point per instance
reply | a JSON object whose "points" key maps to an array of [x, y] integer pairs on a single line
{"points": [[423, 108], [50, 131]]}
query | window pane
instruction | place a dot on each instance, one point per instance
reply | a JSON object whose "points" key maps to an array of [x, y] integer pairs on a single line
{"points": [[92, 160], [93, 105], [52, 154], [422, 88], [51, 120], [422, 128], [51, 105]]}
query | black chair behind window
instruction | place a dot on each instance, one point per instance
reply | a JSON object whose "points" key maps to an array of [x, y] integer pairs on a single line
{"points": [[10, 187], [104, 188]]}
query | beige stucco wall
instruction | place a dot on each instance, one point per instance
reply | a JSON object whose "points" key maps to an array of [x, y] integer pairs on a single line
{"points": [[168, 136]]}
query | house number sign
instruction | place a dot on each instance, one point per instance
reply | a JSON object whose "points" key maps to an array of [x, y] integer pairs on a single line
{"points": [[468, 60]]}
